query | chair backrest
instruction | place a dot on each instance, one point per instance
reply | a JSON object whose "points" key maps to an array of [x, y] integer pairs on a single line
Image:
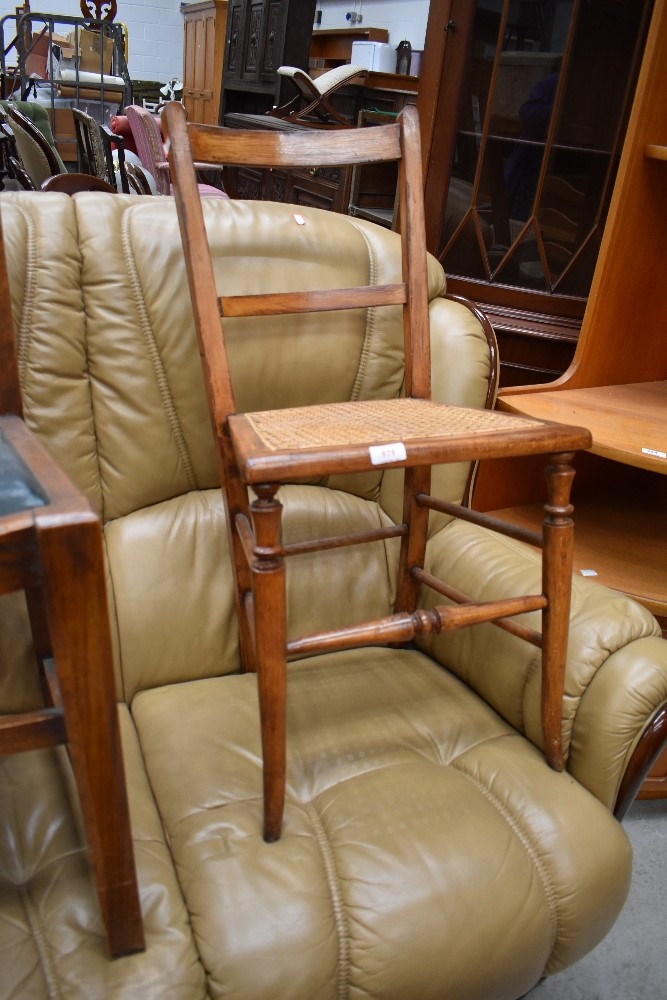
{"points": [[75, 182], [39, 158], [137, 180], [150, 148], [12, 173], [92, 158], [37, 113], [190, 143]]}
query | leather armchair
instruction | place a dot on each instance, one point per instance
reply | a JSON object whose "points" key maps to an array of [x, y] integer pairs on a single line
{"points": [[427, 851]]}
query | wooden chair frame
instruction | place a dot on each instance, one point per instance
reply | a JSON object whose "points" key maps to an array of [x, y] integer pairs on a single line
{"points": [[247, 458], [34, 137], [75, 182], [311, 104], [95, 148], [51, 548]]}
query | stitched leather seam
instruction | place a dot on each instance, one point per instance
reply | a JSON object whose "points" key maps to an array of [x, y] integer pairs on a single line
{"points": [[336, 900], [371, 316], [154, 354], [43, 949], [28, 305], [525, 840]]}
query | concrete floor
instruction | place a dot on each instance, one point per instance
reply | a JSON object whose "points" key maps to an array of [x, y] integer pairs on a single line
{"points": [[631, 963]]}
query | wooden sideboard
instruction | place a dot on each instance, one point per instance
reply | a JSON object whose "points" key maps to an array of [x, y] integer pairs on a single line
{"points": [[204, 27], [617, 383]]}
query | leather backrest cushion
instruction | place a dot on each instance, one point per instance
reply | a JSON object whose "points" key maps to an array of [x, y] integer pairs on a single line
{"points": [[112, 382]]}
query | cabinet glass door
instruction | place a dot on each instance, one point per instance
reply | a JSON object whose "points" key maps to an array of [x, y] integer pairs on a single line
{"points": [[541, 120]]}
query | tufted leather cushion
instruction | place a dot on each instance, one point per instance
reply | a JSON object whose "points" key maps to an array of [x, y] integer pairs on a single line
{"points": [[427, 851]]}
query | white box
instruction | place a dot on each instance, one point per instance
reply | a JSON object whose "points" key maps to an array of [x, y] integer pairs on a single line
{"points": [[379, 57]]}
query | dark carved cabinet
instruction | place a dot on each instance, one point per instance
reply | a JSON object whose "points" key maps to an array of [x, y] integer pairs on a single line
{"points": [[258, 42]]}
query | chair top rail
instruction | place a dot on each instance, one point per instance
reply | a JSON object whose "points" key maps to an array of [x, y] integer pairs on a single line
{"points": [[236, 147]]}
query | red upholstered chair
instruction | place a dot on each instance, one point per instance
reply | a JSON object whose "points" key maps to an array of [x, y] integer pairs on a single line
{"points": [[120, 125], [150, 150]]}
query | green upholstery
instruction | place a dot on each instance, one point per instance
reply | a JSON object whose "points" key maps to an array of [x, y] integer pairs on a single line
{"points": [[34, 160]]}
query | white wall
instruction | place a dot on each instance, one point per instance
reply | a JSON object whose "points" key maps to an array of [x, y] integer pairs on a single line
{"points": [[403, 18], [155, 30], [155, 27]]}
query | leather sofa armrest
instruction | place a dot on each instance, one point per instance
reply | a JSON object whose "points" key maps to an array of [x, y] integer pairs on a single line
{"points": [[616, 679]]}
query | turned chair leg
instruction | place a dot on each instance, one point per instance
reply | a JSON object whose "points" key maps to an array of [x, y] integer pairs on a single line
{"points": [[558, 530], [270, 618]]}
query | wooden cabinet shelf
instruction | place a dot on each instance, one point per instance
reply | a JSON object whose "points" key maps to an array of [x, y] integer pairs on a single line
{"points": [[611, 542], [331, 47], [628, 422]]}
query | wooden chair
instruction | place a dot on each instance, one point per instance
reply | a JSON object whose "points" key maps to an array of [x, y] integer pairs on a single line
{"points": [[51, 548], [38, 158], [73, 183], [12, 172], [95, 149], [150, 150], [137, 179], [264, 449], [312, 103]]}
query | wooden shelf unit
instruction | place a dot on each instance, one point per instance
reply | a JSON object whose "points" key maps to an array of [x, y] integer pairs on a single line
{"points": [[616, 385], [331, 47], [628, 422]]}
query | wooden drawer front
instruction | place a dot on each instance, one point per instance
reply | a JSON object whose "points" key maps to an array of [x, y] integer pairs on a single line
{"points": [[311, 191], [246, 183]]}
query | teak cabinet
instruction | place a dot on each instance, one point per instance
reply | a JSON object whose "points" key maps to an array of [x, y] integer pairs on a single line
{"points": [[204, 27], [617, 383]]}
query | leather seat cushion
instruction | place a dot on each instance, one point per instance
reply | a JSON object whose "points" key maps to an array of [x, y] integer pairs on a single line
{"points": [[410, 803]]}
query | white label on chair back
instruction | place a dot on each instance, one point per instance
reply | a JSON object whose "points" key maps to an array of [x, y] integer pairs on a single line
{"points": [[383, 454]]}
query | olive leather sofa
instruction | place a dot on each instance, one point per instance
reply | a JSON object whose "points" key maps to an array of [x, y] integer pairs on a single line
{"points": [[428, 852]]}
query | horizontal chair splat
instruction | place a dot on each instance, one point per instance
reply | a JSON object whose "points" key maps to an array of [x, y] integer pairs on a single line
{"points": [[252, 550], [279, 303], [340, 541], [484, 520], [404, 626], [521, 631], [35, 730]]}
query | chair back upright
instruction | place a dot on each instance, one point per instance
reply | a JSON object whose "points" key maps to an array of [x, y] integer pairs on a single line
{"points": [[39, 158], [150, 148], [191, 143], [92, 158]]}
